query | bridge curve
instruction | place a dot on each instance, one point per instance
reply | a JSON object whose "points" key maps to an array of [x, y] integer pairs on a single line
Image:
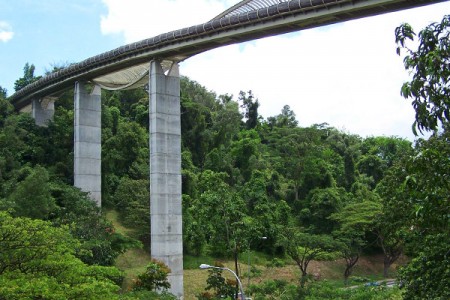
{"points": [[247, 20]]}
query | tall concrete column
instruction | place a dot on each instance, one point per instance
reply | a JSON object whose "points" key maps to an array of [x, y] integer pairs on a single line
{"points": [[87, 141], [165, 172], [42, 110]]}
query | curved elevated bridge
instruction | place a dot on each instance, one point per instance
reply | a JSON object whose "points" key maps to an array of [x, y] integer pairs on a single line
{"points": [[154, 62], [247, 20]]}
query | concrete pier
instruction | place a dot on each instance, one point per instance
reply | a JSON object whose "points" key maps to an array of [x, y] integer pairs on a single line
{"points": [[87, 141], [42, 110], [165, 172]]}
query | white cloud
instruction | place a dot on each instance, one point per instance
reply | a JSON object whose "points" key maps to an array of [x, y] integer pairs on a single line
{"points": [[140, 19], [6, 32], [347, 75]]}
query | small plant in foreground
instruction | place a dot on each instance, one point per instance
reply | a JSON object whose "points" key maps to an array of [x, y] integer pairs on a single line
{"points": [[154, 277]]}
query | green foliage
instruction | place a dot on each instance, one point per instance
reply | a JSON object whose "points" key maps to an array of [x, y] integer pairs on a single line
{"points": [[100, 244], [393, 225], [37, 261], [221, 287], [355, 219], [132, 200], [250, 106], [28, 77], [426, 188], [428, 274], [270, 289], [319, 206], [154, 277], [220, 214], [126, 150], [32, 197], [280, 289], [243, 178], [430, 66], [147, 295], [245, 152], [325, 290], [275, 263], [285, 119], [304, 247], [5, 107]]}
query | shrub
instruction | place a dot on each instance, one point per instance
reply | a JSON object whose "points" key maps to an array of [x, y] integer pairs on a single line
{"points": [[154, 277]]}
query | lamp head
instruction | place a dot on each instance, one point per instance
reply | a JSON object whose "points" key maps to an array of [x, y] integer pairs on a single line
{"points": [[205, 266]]}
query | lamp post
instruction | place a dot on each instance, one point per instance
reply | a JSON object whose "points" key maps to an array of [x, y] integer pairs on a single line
{"points": [[205, 266], [249, 262]]}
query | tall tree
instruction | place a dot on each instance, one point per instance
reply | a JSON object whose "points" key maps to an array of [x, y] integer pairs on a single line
{"points": [[355, 219], [427, 184], [285, 119], [28, 77], [32, 197], [392, 224], [250, 106], [303, 248], [5, 107], [429, 88]]}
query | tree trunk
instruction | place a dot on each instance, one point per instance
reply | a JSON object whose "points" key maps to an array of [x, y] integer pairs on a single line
{"points": [[389, 259], [350, 263], [386, 266], [303, 279]]}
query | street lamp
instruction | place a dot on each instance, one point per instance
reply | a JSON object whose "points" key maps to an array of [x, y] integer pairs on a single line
{"points": [[205, 266]]}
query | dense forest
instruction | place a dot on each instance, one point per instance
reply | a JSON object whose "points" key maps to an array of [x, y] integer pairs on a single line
{"points": [[313, 193]]}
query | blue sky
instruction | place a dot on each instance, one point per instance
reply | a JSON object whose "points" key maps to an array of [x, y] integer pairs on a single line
{"points": [[347, 75], [50, 32]]}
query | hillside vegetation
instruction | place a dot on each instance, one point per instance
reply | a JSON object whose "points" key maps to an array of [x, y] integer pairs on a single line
{"points": [[291, 196]]}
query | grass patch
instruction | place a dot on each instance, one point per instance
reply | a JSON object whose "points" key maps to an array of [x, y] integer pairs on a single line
{"points": [[113, 216], [193, 262], [134, 261]]}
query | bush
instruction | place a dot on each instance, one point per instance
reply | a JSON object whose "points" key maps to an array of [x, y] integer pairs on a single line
{"points": [[223, 288], [276, 263], [154, 277], [147, 295]]}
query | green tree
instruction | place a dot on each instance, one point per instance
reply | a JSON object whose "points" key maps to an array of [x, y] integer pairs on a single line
{"points": [[285, 119], [430, 66], [427, 275], [32, 197], [318, 208], [132, 202], [245, 152], [37, 261], [426, 187], [427, 183], [222, 287], [304, 247], [28, 77], [99, 243], [5, 107], [393, 225], [154, 277], [355, 219], [250, 106]]}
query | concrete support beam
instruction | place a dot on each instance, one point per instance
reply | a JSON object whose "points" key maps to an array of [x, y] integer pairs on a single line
{"points": [[42, 110], [87, 141], [165, 172]]}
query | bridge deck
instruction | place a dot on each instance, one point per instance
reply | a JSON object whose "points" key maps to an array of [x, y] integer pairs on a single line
{"points": [[230, 28]]}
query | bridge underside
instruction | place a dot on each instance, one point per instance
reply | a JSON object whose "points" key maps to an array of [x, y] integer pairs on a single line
{"points": [[232, 28]]}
